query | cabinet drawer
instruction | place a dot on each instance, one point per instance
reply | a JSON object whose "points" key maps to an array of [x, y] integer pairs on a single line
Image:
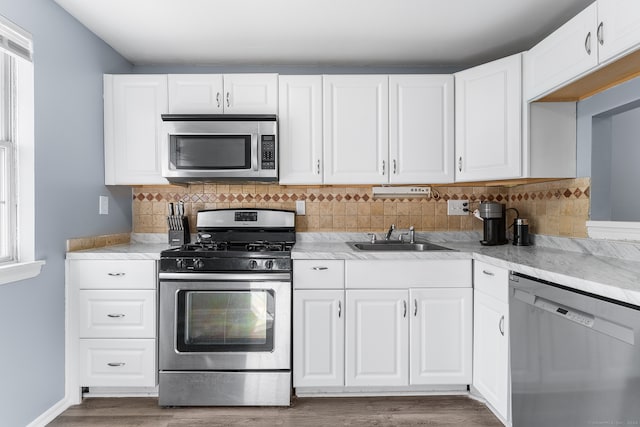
{"points": [[115, 363], [491, 280], [117, 314], [320, 274], [377, 274], [112, 274]]}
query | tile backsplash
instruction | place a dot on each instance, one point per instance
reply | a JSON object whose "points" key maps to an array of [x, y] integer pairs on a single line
{"points": [[558, 208]]}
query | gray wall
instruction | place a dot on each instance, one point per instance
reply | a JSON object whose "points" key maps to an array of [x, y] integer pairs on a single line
{"points": [[608, 129], [69, 62]]}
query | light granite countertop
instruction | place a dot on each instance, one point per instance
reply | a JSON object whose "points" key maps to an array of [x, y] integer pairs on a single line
{"points": [[567, 263], [607, 276]]}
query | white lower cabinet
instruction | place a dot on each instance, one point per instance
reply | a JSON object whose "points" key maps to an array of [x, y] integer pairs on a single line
{"points": [[112, 318], [377, 338], [350, 333], [318, 338], [441, 336], [491, 337]]}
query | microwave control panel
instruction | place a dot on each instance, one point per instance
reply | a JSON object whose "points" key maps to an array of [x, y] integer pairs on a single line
{"points": [[268, 145]]}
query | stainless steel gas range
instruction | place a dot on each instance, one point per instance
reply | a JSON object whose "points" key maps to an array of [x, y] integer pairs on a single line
{"points": [[225, 311]]}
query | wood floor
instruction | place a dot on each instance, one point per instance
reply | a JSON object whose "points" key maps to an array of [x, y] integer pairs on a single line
{"points": [[431, 411]]}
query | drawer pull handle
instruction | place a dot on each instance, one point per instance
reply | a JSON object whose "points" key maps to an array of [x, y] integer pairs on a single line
{"points": [[501, 325], [339, 309], [488, 273], [415, 307], [116, 364], [404, 303], [115, 315], [320, 268], [116, 274]]}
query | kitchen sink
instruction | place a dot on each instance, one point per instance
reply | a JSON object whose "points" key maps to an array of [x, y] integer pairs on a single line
{"points": [[390, 245]]}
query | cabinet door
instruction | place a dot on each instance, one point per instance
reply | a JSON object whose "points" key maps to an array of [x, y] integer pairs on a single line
{"points": [[318, 338], [567, 53], [488, 121], [441, 336], [195, 94], [300, 124], [251, 94], [421, 141], [377, 334], [490, 349], [355, 129], [133, 128], [618, 27]]}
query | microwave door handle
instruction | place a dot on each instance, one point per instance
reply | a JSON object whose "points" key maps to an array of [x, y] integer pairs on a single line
{"points": [[255, 156]]}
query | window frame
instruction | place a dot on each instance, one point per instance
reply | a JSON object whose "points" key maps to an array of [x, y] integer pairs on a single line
{"points": [[18, 44]]}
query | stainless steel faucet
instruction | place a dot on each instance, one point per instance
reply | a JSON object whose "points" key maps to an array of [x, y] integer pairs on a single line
{"points": [[388, 235], [412, 234]]}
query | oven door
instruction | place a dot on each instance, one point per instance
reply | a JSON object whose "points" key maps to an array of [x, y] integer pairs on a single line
{"points": [[217, 324]]}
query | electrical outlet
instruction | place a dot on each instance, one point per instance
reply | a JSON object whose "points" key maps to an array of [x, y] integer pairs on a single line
{"points": [[457, 207], [300, 207], [103, 205]]}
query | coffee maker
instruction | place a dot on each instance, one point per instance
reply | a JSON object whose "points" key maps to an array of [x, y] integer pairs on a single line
{"points": [[494, 226]]}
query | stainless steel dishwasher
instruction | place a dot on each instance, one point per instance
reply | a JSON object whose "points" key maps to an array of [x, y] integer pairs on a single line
{"points": [[575, 357]]}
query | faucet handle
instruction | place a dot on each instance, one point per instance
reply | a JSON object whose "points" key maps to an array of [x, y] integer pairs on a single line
{"points": [[400, 236], [412, 234], [373, 237]]}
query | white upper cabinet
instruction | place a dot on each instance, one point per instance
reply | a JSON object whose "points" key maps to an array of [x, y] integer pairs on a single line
{"points": [[488, 121], [355, 129], [228, 93], [421, 138], [300, 124], [602, 32], [251, 93], [133, 128], [566, 53], [618, 27], [195, 94]]}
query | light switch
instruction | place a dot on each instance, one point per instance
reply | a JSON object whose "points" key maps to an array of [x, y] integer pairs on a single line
{"points": [[103, 205]]}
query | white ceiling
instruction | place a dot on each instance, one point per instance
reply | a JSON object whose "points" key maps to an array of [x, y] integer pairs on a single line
{"points": [[321, 32]]}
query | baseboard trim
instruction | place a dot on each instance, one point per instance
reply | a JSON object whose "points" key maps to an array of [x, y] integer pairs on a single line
{"points": [[51, 413]]}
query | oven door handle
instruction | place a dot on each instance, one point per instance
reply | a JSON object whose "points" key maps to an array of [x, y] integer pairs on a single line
{"points": [[244, 277]]}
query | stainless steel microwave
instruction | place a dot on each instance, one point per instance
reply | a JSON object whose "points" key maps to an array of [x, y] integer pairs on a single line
{"points": [[211, 147]]}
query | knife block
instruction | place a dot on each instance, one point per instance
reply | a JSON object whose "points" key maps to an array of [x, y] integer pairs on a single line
{"points": [[180, 235]]}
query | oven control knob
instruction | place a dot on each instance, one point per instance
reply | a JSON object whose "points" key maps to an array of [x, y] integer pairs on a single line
{"points": [[198, 264], [180, 264], [268, 264], [253, 264]]}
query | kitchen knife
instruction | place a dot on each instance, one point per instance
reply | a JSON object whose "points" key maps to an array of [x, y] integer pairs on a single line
{"points": [[180, 215], [172, 225]]}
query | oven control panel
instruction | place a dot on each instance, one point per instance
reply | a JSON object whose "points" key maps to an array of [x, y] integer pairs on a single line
{"points": [[213, 265]]}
